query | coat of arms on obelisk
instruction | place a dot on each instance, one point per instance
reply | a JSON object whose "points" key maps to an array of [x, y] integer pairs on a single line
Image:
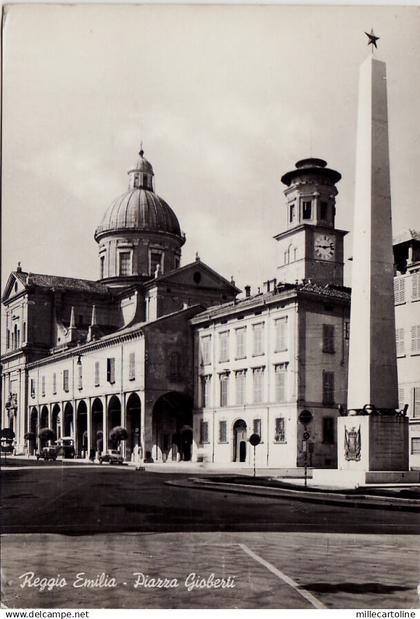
{"points": [[352, 444]]}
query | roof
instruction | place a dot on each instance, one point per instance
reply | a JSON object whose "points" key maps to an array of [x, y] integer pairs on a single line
{"points": [[405, 236], [57, 282], [282, 290], [139, 209], [308, 167]]}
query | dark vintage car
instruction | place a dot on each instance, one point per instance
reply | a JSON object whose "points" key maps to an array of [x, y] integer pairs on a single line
{"points": [[113, 457], [48, 453], [63, 448]]}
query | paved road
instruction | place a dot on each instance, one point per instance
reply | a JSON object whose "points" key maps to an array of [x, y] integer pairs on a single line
{"points": [[66, 499], [278, 553]]}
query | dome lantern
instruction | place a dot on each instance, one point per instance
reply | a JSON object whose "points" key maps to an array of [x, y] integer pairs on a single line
{"points": [[138, 232], [141, 176]]}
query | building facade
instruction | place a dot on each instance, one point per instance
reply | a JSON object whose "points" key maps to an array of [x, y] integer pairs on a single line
{"points": [[174, 356], [82, 357], [407, 319]]}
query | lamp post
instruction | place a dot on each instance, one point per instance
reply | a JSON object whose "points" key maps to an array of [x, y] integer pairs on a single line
{"points": [[305, 419], [255, 440]]}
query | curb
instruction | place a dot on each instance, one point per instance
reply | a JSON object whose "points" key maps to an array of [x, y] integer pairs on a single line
{"points": [[327, 498]]}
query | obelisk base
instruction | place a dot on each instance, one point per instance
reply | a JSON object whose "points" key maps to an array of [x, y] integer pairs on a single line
{"points": [[372, 449]]}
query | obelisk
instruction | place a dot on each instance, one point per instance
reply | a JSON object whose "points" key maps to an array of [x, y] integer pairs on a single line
{"points": [[372, 355], [372, 434]]}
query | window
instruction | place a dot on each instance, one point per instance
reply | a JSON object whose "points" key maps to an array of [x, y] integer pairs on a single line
{"points": [[241, 343], [258, 332], [110, 370], [416, 402], [124, 267], [291, 213], [281, 331], [258, 378], [176, 263], [224, 383], [399, 337], [155, 261], [206, 349], [240, 383], [224, 346], [280, 382], [24, 332], [328, 430], [400, 397], [399, 290], [323, 211], [97, 381], [346, 330], [102, 267], [80, 376], [306, 209], [66, 380], [204, 431], [279, 430], [174, 366], [415, 286], [132, 366], [205, 390], [256, 427], [415, 339], [8, 338], [415, 445], [327, 387], [222, 432], [328, 338], [43, 385], [54, 384], [32, 388]]}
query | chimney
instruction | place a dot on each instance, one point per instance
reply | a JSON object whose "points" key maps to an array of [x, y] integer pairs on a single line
{"points": [[247, 291]]}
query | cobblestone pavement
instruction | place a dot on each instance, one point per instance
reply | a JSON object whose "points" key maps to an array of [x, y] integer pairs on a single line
{"points": [[269, 570]]}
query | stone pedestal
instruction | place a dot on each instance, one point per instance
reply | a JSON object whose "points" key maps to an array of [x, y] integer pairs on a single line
{"points": [[372, 449]]}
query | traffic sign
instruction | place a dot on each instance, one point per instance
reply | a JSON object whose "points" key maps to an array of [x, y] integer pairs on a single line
{"points": [[306, 435], [305, 417], [255, 439]]}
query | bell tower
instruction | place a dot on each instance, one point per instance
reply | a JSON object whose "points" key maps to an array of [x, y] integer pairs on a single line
{"points": [[311, 247]]}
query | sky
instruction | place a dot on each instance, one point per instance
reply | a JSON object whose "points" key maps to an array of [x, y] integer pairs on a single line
{"points": [[225, 99]]}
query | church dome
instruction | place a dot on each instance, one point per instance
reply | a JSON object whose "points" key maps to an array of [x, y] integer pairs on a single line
{"points": [[139, 209]]}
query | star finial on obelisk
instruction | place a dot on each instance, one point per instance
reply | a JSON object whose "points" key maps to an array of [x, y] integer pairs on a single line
{"points": [[372, 39]]}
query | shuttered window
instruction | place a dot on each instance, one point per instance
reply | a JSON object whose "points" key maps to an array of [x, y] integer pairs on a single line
{"points": [[97, 374], [110, 370], [222, 432], [132, 366], [328, 387], [65, 380], [399, 290]]}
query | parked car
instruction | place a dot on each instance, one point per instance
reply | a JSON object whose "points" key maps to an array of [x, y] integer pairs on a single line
{"points": [[113, 457], [48, 453], [66, 447]]}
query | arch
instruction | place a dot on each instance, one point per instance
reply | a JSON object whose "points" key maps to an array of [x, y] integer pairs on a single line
{"points": [[68, 420], [172, 427], [97, 425], [43, 420], [114, 415], [133, 423], [33, 428], [56, 421], [81, 429], [239, 441]]}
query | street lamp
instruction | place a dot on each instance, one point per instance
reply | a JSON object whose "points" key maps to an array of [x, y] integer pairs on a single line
{"points": [[305, 418]]}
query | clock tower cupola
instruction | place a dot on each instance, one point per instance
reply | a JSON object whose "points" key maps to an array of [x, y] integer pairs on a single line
{"points": [[311, 247]]}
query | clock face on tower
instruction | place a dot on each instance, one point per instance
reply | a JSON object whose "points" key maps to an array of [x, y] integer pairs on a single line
{"points": [[324, 246]]}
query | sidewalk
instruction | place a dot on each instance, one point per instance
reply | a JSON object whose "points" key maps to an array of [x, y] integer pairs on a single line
{"points": [[370, 497]]}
